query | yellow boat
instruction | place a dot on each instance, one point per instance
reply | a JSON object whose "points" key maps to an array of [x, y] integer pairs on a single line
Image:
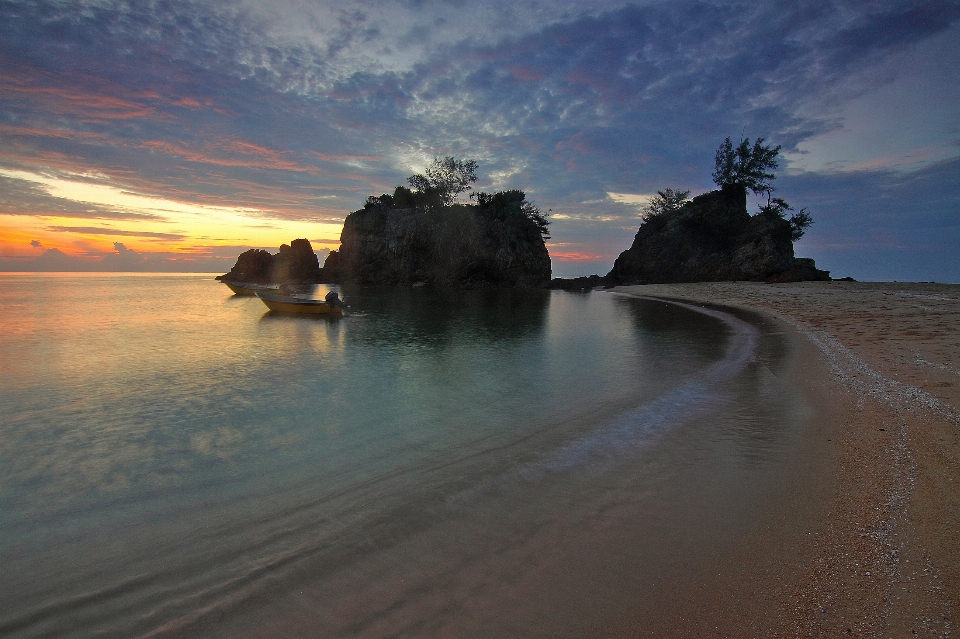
{"points": [[286, 304], [246, 288]]}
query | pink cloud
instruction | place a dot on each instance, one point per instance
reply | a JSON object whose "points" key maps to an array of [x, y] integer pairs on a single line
{"points": [[235, 153], [526, 73], [577, 256]]}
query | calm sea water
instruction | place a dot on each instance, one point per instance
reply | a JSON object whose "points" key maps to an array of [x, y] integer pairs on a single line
{"points": [[177, 461]]}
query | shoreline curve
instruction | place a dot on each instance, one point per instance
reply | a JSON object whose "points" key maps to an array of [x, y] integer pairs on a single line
{"points": [[880, 554]]}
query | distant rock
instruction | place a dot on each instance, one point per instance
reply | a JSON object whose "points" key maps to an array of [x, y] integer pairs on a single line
{"points": [[585, 283], [709, 239], [397, 241], [294, 263]]}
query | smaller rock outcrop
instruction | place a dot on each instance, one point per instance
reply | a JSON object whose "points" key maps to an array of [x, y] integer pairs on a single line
{"points": [[583, 283], [295, 263]]}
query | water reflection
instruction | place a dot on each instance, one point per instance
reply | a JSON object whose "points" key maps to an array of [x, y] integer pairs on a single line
{"points": [[310, 317], [164, 446], [675, 325], [435, 317], [760, 425]]}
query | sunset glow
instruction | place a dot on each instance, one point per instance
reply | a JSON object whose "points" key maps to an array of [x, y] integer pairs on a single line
{"points": [[149, 223]]}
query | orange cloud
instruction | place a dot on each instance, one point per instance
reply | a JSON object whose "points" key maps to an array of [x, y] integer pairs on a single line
{"points": [[97, 230], [575, 256], [225, 153], [89, 98], [27, 131], [191, 103], [93, 106]]}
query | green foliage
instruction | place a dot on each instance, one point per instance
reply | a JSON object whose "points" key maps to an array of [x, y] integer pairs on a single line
{"points": [[403, 198], [445, 179], [665, 201], [746, 166], [511, 206], [799, 222], [538, 217], [378, 201]]}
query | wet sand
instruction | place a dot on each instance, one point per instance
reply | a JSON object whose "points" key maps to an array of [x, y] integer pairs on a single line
{"points": [[866, 540]]}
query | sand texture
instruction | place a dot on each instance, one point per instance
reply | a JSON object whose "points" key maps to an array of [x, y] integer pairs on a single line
{"points": [[880, 554]]}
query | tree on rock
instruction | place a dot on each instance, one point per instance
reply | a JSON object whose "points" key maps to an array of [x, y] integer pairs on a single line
{"points": [[513, 206], [752, 168], [713, 238], [665, 201], [798, 221], [746, 166], [446, 178]]}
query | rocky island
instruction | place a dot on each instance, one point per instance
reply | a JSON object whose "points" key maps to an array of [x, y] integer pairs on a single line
{"points": [[713, 238], [423, 236]]}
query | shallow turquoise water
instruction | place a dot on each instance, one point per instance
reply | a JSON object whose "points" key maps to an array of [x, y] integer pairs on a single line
{"points": [[176, 460]]}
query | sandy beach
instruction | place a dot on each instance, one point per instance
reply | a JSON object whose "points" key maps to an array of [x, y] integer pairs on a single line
{"points": [[866, 542]]}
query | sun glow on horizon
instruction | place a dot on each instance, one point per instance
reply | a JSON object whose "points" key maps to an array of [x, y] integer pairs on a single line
{"points": [[146, 223]]}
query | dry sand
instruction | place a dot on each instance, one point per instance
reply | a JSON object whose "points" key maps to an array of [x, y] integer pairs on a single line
{"points": [[867, 542]]}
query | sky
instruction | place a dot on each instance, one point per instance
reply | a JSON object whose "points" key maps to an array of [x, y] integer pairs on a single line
{"points": [[171, 135]]}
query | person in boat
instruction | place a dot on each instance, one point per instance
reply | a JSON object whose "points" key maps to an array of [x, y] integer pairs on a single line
{"points": [[333, 299]]}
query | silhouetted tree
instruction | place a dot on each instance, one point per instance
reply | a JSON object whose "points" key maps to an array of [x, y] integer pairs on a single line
{"points": [[512, 206], [798, 221], [538, 217], [746, 166], [665, 201], [798, 224], [445, 178], [403, 197]]}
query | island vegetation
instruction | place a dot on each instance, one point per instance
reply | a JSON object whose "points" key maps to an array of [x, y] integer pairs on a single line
{"points": [[751, 168]]}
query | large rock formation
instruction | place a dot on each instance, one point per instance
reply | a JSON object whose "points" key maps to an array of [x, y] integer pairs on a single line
{"points": [[294, 263], [713, 238], [395, 240]]}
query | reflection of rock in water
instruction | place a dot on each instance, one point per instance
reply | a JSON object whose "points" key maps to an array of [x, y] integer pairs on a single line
{"points": [[425, 315], [670, 323]]}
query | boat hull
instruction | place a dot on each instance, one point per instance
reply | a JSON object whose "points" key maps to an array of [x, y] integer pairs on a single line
{"points": [[249, 289], [294, 305]]}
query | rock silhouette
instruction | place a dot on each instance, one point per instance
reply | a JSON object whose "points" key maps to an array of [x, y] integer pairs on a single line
{"points": [[709, 239], [458, 246], [295, 263]]}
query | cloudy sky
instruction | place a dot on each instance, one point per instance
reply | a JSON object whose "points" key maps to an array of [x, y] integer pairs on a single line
{"points": [[171, 135]]}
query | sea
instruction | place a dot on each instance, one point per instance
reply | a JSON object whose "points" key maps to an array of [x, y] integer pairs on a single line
{"points": [[177, 461]]}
